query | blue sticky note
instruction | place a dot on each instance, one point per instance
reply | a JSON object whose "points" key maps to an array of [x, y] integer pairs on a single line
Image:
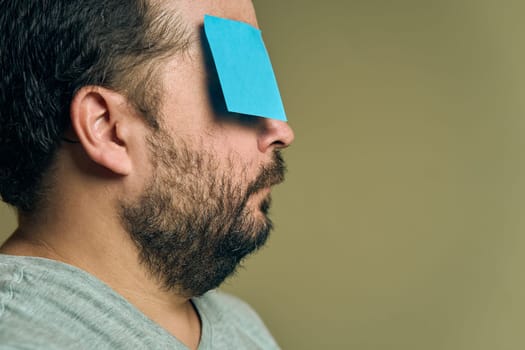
{"points": [[245, 72]]}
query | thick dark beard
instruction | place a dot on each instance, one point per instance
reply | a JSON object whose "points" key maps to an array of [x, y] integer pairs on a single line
{"points": [[191, 224]]}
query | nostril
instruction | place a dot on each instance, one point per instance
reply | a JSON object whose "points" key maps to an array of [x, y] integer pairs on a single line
{"points": [[280, 144]]}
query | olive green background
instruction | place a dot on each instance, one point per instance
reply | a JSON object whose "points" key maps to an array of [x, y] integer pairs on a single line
{"points": [[399, 226]]}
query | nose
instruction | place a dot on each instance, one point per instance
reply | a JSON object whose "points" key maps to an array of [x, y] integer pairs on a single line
{"points": [[275, 134]]}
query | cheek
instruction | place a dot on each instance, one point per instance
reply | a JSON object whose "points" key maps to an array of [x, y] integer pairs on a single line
{"points": [[238, 160], [237, 144]]}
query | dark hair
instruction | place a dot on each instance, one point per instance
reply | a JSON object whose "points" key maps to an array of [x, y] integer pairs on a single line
{"points": [[50, 49]]}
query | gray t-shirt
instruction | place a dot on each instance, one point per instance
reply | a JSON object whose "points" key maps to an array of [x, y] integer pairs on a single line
{"points": [[45, 304]]}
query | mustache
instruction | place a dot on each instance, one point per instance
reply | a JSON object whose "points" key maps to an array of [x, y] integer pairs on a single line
{"points": [[270, 175]]}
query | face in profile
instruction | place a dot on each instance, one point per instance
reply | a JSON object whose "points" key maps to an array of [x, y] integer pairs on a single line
{"points": [[196, 220]]}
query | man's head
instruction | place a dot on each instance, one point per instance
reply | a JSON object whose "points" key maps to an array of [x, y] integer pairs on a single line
{"points": [[51, 49], [133, 83]]}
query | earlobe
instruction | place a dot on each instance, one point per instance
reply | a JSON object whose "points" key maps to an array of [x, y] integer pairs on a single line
{"points": [[98, 117]]}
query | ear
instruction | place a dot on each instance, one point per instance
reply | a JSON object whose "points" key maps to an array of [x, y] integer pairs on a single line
{"points": [[101, 120]]}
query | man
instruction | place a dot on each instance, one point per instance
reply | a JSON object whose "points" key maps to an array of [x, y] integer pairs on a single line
{"points": [[137, 191]]}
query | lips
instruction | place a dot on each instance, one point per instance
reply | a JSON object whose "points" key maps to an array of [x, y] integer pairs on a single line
{"points": [[270, 175]]}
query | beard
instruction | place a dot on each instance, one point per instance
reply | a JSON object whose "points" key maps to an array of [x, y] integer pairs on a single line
{"points": [[191, 223]]}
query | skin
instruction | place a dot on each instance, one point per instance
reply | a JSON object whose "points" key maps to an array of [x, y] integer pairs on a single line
{"points": [[79, 224]]}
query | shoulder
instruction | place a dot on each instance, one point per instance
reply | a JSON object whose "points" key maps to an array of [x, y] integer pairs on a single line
{"points": [[230, 315], [22, 286], [46, 304]]}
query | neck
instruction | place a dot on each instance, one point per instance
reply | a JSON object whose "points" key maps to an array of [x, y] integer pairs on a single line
{"points": [[104, 249]]}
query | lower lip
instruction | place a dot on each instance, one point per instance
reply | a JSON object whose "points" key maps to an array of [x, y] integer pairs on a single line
{"points": [[262, 192]]}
